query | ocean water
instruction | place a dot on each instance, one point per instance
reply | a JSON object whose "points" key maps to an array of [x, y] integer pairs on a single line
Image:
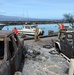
{"points": [[45, 27]]}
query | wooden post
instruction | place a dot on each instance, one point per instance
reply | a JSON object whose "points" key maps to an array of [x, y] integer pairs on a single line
{"points": [[71, 68], [17, 73]]}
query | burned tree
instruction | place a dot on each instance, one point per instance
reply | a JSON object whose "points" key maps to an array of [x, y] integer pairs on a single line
{"points": [[70, 18]]}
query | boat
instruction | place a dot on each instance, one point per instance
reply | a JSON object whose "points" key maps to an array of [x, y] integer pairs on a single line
{"points": [[29, 30]]}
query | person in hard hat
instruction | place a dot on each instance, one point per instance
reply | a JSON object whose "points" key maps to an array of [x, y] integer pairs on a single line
{"points": [[15, 30]]}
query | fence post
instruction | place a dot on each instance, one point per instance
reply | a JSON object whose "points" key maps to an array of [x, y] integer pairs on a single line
{"points": [[71, 67]]}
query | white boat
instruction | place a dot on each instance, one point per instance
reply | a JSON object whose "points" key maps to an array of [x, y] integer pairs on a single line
{"points": [[29, 30]]}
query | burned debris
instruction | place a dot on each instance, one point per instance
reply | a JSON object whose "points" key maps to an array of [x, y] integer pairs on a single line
{"points": [[11, 50], [66, 43], [40, 58], [41, 62], [50, 45]]}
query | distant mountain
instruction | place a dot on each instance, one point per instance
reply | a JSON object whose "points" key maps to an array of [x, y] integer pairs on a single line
{"points": [[14, 18]]}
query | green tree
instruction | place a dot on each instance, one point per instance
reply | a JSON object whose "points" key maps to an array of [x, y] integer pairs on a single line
{"points": [[70, 18]]}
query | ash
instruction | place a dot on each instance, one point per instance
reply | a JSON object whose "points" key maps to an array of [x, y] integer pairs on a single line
{"points": [[43, 59]]}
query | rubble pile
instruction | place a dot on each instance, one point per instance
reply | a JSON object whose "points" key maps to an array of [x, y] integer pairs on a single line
{"points": [[44, 61]]}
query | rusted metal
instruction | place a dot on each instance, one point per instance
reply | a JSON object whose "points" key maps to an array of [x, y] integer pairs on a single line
{"points": [[66, 43], [11, 50]]}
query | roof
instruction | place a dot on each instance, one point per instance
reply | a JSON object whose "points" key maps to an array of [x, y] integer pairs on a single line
{"points": [[4, 33]]}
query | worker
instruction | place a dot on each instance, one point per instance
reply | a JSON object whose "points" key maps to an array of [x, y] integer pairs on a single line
{"points": [[37, 38], [59, 28], [62, 26], [15, 30]]}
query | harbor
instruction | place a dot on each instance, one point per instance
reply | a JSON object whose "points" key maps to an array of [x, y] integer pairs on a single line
{"points": [[36, 37]]}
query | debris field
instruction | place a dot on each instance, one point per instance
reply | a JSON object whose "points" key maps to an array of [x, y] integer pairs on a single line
{"points": [[43, 59]]}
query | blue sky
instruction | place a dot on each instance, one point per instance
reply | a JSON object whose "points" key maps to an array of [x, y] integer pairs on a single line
{"points": [[42, 9]]}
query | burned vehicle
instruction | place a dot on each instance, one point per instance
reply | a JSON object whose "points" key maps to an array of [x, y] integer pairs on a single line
{"points": [[11, 50], [66, 43]]}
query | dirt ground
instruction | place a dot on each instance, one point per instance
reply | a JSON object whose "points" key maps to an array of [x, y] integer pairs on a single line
{"points": [[43, 59]]}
